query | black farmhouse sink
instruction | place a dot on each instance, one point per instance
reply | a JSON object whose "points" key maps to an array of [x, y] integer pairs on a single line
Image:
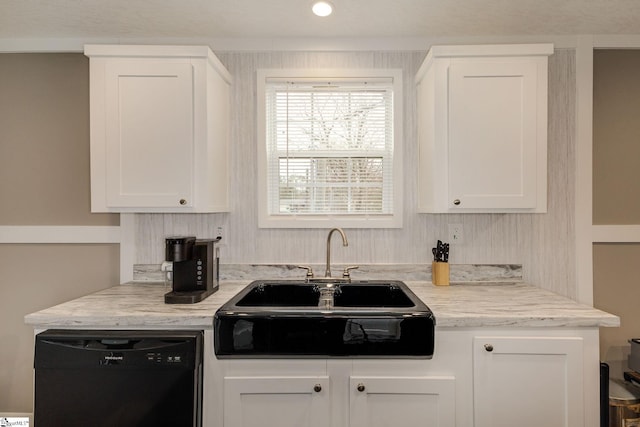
{"points": [[274, 319]]}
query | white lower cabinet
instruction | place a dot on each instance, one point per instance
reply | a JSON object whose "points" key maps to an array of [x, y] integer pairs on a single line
{"points": [[402, 402], [276, 401], [478, 377], [528, 381], [319, 401]]}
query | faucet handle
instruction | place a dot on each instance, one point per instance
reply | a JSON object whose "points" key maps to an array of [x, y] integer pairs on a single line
{"points": [[346, 273], [309, 270]]}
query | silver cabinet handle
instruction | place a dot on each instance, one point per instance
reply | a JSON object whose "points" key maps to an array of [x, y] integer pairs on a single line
{"points": [[488, 347], [456, 202], [183, 202], [360, 387], [317, 388]]}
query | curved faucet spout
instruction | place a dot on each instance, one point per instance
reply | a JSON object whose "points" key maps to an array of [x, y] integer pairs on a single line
{"points": [[327, 272]]}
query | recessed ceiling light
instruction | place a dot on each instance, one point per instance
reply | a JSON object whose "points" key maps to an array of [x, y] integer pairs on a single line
{"points": [[322, 8]]}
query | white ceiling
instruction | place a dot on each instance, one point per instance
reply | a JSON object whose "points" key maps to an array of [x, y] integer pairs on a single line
{"points": [[130, 19]]}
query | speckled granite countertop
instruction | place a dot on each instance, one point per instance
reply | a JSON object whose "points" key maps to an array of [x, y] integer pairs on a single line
{"points": [[480, 304]]}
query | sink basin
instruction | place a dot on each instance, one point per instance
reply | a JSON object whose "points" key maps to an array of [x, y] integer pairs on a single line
{"points": [[378, 295], [280, 295], [273, 319]]}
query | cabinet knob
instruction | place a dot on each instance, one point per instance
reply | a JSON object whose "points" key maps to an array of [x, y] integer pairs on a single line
{"points": [[183, 202], [456, 202], [317, 388], [488, 347], [360, 387]]}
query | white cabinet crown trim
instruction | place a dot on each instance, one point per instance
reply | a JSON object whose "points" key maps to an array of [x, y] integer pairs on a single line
{"points": [[488, 50], [153, 51]]}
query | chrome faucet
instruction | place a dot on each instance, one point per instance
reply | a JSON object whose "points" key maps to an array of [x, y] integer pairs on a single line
{"points": [[327, 272]]}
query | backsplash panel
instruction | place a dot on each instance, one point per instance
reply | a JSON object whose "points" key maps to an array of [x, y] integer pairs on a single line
{"points": [[460, 273], [542, 243]]}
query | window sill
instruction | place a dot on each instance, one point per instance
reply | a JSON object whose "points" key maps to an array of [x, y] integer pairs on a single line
{"points": [[326, 221]]}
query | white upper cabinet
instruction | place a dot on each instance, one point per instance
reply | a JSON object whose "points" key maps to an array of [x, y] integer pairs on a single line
{"points": [[159, 129], [482, 128]]}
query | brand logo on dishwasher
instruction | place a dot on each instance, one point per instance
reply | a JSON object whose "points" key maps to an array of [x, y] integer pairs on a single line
{"points": [[112, 359]]}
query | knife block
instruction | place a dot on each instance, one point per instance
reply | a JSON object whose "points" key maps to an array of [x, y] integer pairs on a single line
{"points": [[440, 273]]}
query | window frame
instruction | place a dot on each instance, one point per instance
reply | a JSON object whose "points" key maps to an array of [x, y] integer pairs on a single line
{"points": [[267, 220]]}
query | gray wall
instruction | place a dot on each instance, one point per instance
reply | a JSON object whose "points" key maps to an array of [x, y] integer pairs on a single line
{"points": [[616, 191], [44, 180], [543, 243]]}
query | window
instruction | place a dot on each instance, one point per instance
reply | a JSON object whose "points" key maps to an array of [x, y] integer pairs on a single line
{"points": [[329, 145]]}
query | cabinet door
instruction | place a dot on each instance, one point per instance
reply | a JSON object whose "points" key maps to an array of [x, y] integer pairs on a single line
{"points": [[276, 401], [492, 134], [149, 133], [528, 381], [402, 401]]}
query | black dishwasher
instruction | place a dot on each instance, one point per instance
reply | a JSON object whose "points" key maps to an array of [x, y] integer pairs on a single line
{"points": [[118, 378]]}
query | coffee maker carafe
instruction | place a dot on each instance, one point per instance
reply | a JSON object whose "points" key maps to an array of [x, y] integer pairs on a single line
{"points": [[195, 269]]}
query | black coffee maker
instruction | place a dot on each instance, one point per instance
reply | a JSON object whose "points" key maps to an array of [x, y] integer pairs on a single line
{"points": [[195, 269]]}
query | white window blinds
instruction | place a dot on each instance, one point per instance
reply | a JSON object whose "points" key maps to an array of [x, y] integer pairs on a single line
{"points": [[329, 146]]}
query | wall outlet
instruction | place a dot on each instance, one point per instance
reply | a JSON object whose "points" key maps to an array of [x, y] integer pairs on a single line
{"points": [[456, 234]]}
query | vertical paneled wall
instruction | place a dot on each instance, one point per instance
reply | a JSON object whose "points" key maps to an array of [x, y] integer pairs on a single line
{"points": [[543, 243]]}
